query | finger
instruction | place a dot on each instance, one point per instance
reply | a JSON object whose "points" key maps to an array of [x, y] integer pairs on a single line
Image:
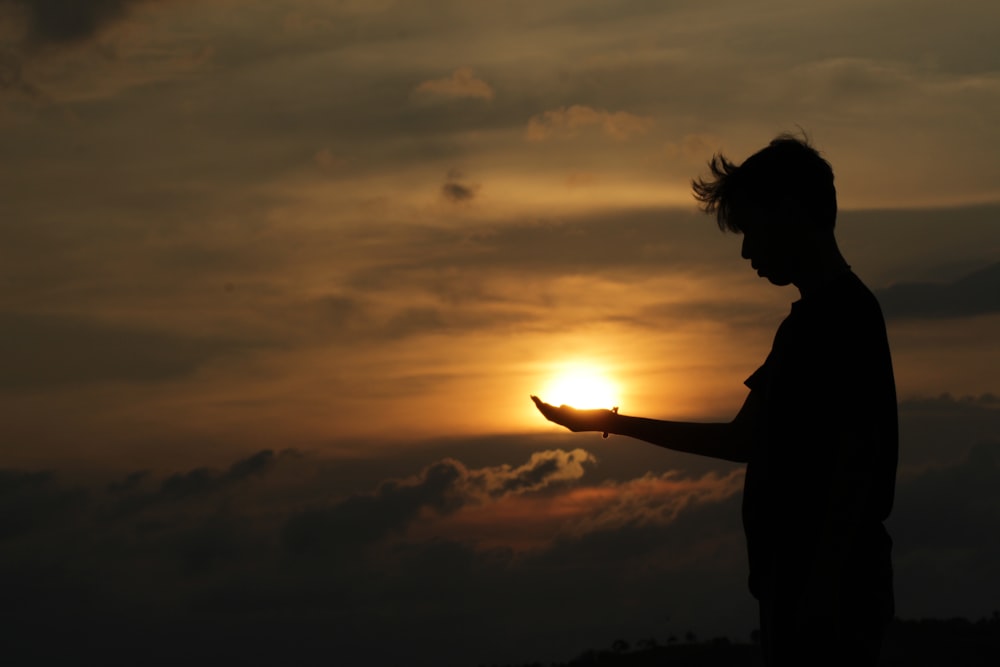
{"points": [[547, 410]]}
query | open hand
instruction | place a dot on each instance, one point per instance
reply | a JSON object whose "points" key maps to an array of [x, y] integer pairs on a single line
{"points": [[576, 420]]}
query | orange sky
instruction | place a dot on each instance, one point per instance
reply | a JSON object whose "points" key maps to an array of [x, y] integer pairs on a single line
{"points": [[313, 221]]}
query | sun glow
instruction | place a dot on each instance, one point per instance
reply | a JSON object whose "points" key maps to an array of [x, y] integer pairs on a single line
{"points": [[581, 386]]}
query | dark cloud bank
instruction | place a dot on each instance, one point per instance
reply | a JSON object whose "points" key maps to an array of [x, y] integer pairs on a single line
{"points": [[54, 22], [265, 562], [252, 564], [977, 293]]}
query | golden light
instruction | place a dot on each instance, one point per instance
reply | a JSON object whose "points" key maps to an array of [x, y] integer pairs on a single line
{"points": [[580, 385]]}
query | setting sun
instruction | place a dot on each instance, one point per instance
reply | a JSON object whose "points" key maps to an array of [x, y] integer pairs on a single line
{"points": [[581, 386]]}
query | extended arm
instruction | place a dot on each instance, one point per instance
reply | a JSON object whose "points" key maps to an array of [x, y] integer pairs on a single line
{"points": [[730, 441]]}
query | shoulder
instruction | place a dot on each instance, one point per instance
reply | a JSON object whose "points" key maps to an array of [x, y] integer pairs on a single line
{"points": [[848, 303], [843, 324]]}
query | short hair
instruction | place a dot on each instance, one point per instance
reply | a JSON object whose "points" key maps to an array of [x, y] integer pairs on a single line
{"points": [[786, 171]]}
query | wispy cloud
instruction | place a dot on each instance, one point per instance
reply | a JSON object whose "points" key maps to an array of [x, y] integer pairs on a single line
{"points": [[977, 293], [657, 499], [567, 122], [461, 83], [52, 351]]}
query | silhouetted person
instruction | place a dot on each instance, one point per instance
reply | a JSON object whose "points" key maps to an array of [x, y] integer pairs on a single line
{"points": [[818, 430]]}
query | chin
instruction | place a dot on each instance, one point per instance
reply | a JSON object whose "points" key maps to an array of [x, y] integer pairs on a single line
{"points": [[774, 277]]}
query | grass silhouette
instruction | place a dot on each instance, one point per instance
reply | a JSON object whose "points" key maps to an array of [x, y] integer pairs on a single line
{"points": [[956, 642]]}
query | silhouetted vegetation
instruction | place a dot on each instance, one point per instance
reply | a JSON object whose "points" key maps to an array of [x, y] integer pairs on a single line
{"points": [[954, 642]]}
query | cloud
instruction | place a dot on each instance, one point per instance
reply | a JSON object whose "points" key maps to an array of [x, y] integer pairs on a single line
{"points": [[66, 51], [940, 431], [213, 567], [461, 84], [693, 147], [130, 483], [207, 480], [647, 242], [12, 76], [218, 557], [58, 22], [539, 522], [33, 500], [135, 495], [945, 543], [49, 351], [457, 192], [566, 122], [738, 314], [440, 489], [833, 78], [947, 507], [658, 499], [977, 293], [347, 319], [454, 190], [541, 470], [363, 519]]}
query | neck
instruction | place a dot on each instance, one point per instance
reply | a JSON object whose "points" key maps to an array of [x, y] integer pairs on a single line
{"points": [[822, 268]]}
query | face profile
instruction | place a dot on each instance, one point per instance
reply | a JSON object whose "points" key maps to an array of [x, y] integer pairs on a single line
{"points": [[770, 252]]}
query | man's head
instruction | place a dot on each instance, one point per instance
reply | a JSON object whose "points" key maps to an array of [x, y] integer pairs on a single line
{"points": [[782, 199]]}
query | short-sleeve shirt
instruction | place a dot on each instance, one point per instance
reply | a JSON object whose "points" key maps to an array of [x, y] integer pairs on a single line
{"points": [[828, 422]]}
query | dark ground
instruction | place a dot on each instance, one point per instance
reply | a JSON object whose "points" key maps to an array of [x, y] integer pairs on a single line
{"points": [[911, 643]]}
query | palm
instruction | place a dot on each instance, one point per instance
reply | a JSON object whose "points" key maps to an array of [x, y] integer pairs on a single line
{"points": [[572, 418]]}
